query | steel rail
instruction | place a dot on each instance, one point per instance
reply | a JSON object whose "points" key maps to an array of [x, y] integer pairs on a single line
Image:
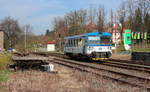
{"points": [[113, 63], [129, 64], [96, 68], [79, 66], [126, 66]]}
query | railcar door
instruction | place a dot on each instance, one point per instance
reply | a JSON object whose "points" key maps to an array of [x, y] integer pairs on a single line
{"points": [[81, 44]]}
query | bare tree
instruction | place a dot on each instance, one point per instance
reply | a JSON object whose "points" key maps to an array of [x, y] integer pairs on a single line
{"points": [[144, 8], [137, 11], [147, 23], [130, 9], [76, 21], [122, 17], [111, 20], [12, 32], [101, 19], [138, 20], [92, 14]]}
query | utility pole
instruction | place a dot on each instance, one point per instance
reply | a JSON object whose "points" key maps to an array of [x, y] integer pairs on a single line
{"points": [[25, 37]]}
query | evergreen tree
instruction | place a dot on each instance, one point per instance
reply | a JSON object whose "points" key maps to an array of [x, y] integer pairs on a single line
{"points": [[138, 20], [47, 32]]}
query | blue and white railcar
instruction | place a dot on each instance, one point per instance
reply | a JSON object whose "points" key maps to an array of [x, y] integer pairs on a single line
{"points": [[95, 45]]}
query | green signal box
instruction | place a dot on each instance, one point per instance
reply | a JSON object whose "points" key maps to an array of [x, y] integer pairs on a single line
{"points": [[127, 37]]}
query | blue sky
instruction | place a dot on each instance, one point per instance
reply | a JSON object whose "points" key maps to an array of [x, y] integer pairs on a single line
{"points": [[40, 13]]}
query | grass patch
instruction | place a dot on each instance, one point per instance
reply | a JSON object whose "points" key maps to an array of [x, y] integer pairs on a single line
{"points": [[4, 75], [119, 48], [5, 59], [141, 50], [135, 48]]}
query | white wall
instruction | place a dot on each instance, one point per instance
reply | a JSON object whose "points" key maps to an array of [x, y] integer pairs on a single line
{"points": [[50, 47]]}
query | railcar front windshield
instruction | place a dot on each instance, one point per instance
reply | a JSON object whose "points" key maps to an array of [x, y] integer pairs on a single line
{"points": [[94, 40], [99, 40]]}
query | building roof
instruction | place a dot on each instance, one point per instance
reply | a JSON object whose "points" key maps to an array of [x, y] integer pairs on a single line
{"points": [[51, 42], [91, 26]]}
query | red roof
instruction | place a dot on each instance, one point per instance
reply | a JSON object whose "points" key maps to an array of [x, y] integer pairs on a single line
{"points": [[51, 42], [91, 26]]}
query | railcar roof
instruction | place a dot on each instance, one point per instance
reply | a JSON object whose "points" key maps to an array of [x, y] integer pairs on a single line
{"points": [[89, 34]]}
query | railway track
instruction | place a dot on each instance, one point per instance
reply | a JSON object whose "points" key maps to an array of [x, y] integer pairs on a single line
{"points": [[97, 69], [112, 62], [137, 67], [106, 73]]}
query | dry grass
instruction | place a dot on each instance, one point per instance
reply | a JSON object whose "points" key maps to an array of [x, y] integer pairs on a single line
{"points": [[67, 80], [121, 57]]}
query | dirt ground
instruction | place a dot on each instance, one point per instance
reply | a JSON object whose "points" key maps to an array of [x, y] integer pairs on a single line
{"points": [[66, 80], [121, 57]]}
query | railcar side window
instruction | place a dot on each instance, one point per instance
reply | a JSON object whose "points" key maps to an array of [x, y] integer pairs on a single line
{"points": [[65, 43], [74, 42], [77, 42], [70, 42], [105, 40]]}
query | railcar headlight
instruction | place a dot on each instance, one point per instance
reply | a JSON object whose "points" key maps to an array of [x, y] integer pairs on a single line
{"points": [[91, 48], [100, 48], [109, 48]]}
